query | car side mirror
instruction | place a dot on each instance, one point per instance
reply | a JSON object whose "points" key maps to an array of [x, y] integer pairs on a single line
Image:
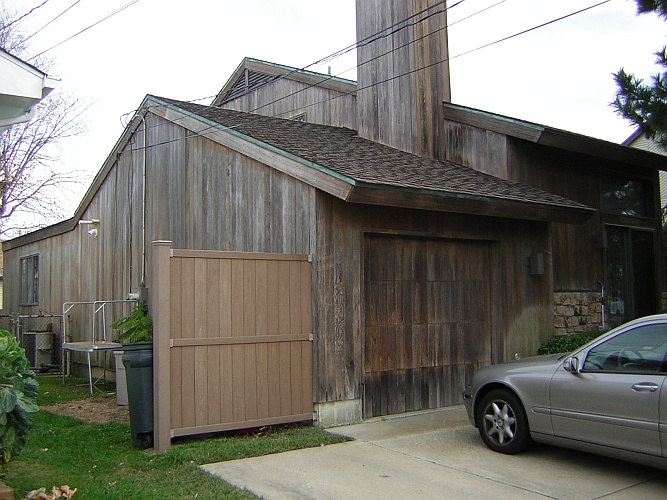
{"points": [[571, 364]]}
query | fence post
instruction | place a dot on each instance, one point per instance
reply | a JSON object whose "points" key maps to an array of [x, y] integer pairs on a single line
{"points": [[160, 298]]}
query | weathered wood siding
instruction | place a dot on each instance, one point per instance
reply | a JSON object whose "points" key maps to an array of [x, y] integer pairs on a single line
{"points": [[520, 305], [571, 175], [428, 321], [287, 98], [481, 150], [200, 195], [578, 177], [403, 77]]}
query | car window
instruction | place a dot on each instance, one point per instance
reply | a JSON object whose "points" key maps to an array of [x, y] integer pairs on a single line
{"points": [[640, 350]]}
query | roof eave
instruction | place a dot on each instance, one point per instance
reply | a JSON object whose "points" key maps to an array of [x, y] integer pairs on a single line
{"points": [[553, 137], [442, 201]]}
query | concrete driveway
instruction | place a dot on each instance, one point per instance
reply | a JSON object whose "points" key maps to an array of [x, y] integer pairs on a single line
{"points": [[436, 454]]}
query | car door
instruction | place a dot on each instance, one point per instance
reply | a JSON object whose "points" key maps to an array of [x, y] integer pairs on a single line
{"points": [[614, 398]]}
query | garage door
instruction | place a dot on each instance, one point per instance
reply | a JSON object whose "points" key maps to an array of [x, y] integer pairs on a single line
{"points": [[427, 326]]}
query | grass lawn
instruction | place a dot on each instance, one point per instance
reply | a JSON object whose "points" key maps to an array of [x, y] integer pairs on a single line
{"points": [[101, 462]]}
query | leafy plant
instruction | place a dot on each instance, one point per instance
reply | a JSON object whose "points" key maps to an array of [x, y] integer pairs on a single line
{"points": [[137, 327], [18, 395], [567, 343]]}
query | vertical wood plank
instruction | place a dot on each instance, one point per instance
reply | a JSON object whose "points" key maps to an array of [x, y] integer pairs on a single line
{"points": [[249, 298], [262, 381], [261, 298], [238, 383], [250, 382], [188, 387], [201, 393], [226, 385]]}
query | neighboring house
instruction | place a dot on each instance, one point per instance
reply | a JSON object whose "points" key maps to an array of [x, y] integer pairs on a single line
{"points": [[22, 86], [441, 237], [640, 141]]}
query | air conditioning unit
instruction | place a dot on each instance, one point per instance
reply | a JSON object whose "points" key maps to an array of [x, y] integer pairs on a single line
{"points": [[39, 349]]}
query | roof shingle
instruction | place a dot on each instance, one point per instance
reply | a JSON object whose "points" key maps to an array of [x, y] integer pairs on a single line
{"points": [[371, 164]]}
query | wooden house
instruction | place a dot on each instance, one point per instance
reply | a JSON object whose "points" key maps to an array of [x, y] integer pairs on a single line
{"points": [[295, 264]]}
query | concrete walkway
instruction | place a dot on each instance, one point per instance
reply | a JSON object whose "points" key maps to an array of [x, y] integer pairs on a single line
{"points": [[436, 454]]}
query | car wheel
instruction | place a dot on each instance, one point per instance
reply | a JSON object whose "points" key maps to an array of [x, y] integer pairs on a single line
{"points": [[502, 422]]}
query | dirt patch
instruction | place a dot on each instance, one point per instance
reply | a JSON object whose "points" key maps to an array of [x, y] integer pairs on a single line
{"points": [[92, 411]]}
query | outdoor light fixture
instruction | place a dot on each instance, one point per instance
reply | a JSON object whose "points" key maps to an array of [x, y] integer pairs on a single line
{"points": [[93, 231]]}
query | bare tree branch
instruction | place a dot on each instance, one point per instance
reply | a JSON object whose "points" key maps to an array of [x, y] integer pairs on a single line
{"points": [[33, 183]]}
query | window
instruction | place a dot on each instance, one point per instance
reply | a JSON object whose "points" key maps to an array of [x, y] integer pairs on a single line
{"points": [[30, 280], [640, 350], [626, 196]]}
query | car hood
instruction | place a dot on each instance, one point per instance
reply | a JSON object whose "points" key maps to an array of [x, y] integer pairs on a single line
{"points": [[533, 365]]}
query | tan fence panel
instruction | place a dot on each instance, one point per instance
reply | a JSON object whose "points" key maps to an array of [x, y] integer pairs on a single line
{"points": [[240, 342]]}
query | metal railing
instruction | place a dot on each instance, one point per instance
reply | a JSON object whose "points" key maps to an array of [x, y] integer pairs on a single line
{"points": [[95, 320]]}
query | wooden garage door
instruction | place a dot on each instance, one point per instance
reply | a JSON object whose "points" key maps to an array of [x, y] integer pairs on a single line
{"points": [[427, 322]]}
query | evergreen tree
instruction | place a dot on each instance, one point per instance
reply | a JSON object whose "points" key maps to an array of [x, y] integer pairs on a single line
{"points": [[646, 103]]}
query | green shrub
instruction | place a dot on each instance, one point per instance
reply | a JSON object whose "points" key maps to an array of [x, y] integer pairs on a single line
{"points": [[18, 395], [137, 327], [567, 343]]}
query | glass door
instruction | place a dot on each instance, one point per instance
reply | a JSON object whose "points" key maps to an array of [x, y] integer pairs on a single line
{"points": [[630, 285]]}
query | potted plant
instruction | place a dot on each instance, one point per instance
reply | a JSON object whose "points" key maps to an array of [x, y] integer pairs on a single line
{"points": [[137, 339], [135, 328]]}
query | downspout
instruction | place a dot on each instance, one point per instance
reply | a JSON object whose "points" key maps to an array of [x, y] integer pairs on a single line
{"points": [[142, 284], [143, 210]]}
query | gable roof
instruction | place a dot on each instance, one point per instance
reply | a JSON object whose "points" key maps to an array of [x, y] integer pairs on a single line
{"points": [[337, 161], [357, 170], [549, 136], [252, 74]]}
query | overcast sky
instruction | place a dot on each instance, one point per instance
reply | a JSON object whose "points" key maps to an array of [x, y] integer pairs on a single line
{"points": [[559, 75]]}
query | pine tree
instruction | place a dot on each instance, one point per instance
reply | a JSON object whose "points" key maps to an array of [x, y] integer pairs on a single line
{"points": [[646, 103]]}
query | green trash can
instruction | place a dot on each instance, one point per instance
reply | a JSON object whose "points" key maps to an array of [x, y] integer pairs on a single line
{"points": [[138, 362]]}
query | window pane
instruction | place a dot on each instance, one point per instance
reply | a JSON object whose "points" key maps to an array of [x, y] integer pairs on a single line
{"points": [[29, 267], [640, 350], [624, 196]]}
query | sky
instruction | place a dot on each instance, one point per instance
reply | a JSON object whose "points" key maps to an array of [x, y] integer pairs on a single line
{"points": [[559, 75]]}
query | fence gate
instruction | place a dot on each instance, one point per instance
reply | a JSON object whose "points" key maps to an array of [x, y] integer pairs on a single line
{"points": [[239, 347]]}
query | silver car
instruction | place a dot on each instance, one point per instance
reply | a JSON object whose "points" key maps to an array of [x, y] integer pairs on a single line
{"points": [[608, 397]]}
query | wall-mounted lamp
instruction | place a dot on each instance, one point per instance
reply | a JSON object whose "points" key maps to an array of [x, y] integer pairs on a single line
{"points": [[93, 231], [536, 264]]}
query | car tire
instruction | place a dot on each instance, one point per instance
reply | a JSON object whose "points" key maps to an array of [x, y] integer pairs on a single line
{"points": [[502, 422]]}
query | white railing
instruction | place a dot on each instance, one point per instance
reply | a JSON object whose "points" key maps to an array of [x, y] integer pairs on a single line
{"points": [[95, 321]]}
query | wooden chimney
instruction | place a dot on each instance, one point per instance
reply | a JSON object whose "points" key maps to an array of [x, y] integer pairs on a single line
{"points": [[403, 73]]}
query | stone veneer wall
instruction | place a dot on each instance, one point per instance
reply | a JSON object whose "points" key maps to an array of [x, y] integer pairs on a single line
{"points": [[576, 312]]}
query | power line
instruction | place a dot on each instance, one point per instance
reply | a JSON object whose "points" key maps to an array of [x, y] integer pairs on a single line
{"points": [[19, 19], [369, 39], [395, 49], [120, 9], [55, 18], [202, 132], [465, 53]]}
